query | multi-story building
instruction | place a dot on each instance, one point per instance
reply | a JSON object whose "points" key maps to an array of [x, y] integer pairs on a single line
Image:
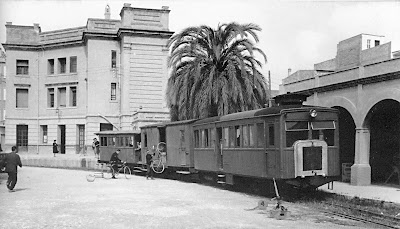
{"points": [[68, 84]]}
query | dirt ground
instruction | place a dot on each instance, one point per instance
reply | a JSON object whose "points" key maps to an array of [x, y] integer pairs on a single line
{"points": [[59, 198]]}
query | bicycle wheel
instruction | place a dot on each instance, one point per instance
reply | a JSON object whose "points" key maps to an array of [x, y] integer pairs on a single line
{"points": [[162, 147], [127, 172], [157, 166], [108, 173]]}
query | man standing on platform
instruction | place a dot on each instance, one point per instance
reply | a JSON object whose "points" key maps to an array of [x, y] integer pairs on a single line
{"points": [[12, 160]]}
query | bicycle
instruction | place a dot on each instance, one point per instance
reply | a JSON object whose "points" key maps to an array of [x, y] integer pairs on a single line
{"points": [[124, 168], [158, 164]]}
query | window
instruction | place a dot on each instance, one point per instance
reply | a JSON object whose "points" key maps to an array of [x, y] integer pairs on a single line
{"points": [[43, 130], [245, 136], [368, 43], [145, 140], [113, 59], [238, 136], [377, 43], [50, 66], [212, 138], [251, 135], [206, 140], [226, 137], [296, 131], [22, 67], [22, 98], [22, 137], [50, 97], [62, 65], [103, 141], [113, 91], [271, 135], [196, 139], [81, 137], [72, 97], [62, 100], [73, 64], [260, 135]]}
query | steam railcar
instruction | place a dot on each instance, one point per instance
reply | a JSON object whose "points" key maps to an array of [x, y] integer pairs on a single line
{"points": [[290, 142]]}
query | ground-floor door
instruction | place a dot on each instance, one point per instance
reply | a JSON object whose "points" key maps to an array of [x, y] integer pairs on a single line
{"points": [[61, 131], [22, 137]]}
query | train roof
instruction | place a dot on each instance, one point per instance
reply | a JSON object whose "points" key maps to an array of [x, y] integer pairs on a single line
{"points": [[118, 132], [275, 110], [164, 124]]}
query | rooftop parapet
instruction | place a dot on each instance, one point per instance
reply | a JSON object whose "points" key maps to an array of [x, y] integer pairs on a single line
{"points": [[19, 34], [145, 19]]}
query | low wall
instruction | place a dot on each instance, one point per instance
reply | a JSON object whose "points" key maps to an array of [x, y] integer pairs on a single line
{"points": [[76, 162]]}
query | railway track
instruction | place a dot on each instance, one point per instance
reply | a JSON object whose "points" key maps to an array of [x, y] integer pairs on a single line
{"points": [[361, 215]]}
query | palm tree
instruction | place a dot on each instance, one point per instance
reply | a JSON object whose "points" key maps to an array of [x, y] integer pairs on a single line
{"points": [[215, 72]]}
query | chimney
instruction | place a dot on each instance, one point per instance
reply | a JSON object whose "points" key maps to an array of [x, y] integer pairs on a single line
{"points": [[165, 7], [36, 27], [8, 23], [107, 13], [289, 71], [127, 5]]}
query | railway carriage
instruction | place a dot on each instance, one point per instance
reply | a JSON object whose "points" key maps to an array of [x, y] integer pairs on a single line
{"points": [[127, 141], [179, 146]]}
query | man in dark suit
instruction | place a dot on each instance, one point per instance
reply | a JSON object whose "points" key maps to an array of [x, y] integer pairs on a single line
{"points": [[12, 160]]}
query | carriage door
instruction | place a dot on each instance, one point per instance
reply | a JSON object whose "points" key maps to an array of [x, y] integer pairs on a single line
{"points": [[219, 147], [183, 153]]}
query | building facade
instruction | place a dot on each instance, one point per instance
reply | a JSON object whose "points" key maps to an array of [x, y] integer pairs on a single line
{"points": [[2, 98], [68, 84], [363, 82]]}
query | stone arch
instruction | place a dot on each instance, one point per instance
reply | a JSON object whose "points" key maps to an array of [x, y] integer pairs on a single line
{"points": [[370, 101], [383, 122], [340, 101]]}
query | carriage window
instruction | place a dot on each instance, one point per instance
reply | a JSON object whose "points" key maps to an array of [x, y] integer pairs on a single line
{"points": [[238, 136], [232, 137], [103, 141], [196, 139], [245, 136], [271, 135], [182, 136], [225, 137], [212, 139], [251, 135], [119, 141], [205, 138], [260, 135], [130, 142]]}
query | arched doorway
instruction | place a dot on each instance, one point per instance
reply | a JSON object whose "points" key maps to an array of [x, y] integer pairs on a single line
{"points": [[383, 121], [347, 134]]}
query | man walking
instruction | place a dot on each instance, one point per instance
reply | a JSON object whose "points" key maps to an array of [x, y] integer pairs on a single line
{"points": [[12, 160], [149, 160]]}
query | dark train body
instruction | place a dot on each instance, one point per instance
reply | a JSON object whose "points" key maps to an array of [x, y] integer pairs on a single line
{"points": [[291, 142]]}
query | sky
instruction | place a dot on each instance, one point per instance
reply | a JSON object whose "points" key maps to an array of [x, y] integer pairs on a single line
{"points": [[295, 34]]}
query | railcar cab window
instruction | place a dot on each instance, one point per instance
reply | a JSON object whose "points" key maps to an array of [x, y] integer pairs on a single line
{"points": [[271, 135], [111, 141], [296, 130], [324, 130], [251, 135]]}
